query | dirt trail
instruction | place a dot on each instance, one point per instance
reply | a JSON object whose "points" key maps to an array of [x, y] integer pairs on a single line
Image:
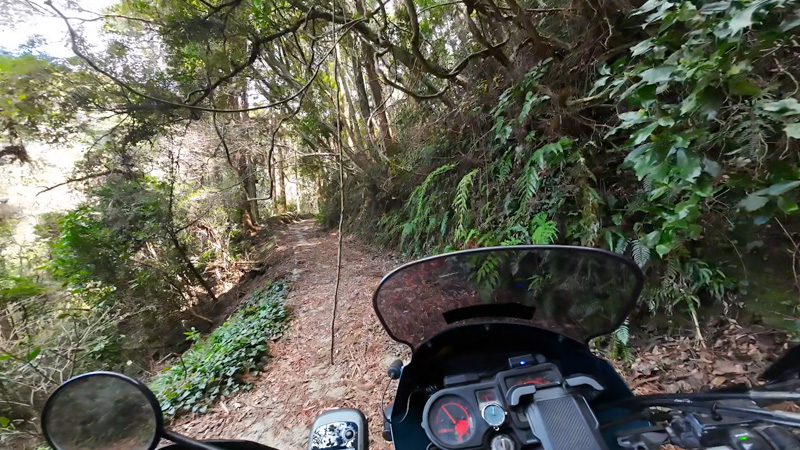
{"points": [[298, 382]]}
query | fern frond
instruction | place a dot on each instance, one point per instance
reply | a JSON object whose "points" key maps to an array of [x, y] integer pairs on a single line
{"points": [[673, 270], [417, 197], [543, 231], [623, 334], [622, 245], [443, 225], [460, 202], [528, 184], [504, 166], [488, 274], [641, 253]]}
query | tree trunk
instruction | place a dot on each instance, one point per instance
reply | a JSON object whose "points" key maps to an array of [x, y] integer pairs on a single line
{"points": [[363, 100], [247, 173], [374, 81], [349, 113], [298, 188], [319, 196], [280, 187], [241, 165], [189, 264]]}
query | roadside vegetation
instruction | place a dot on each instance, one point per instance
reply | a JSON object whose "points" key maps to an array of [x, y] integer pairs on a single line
{"points": [[222, 362]]}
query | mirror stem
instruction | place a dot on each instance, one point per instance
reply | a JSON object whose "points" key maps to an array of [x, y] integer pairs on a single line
{"points": [[187, 442]]}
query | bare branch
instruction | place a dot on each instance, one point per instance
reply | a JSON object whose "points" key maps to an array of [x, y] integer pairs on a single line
{"points": [[114, 16], [431, 67], [406, 90], [79, 179], [440, 5], [222, 140]]}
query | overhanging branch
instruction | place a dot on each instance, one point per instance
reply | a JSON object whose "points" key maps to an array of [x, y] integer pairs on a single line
{"points": [[238, 69], [406, 90]]}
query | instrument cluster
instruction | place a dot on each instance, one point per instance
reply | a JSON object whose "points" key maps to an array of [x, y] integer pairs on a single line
{"points": [[475, 415]]}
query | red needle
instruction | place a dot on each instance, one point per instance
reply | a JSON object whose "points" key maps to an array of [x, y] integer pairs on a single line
{"points": [[462, 428], [448, 415]]}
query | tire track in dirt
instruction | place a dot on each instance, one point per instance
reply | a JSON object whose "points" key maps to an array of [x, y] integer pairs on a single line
{"points": [[298, 382]]}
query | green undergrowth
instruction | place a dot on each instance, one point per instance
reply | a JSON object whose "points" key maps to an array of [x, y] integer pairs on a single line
{"points": [[681, 153], [214, 365]]}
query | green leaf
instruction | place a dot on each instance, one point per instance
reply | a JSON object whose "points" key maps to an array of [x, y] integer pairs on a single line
{"points": [[32, 355], [715, 7], [656, 193], [789, 24], [744, 18], [787, 205], [683, 209], [787, 106], [739, 68], [526, 108], [642, 47], [642, 134], [666, 121], [743, 86], [753, 202], [762, 219], [711, 167], [623, 334], [641, 253], [662, 249], [647, 7], [688, 167], [598, 84], [792, 130], [5, 356], [658, 74], [4, 422], [780, 188], [652, 238]]}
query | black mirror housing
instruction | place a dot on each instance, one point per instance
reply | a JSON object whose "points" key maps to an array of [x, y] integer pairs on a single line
{"points": [[102, 410]]}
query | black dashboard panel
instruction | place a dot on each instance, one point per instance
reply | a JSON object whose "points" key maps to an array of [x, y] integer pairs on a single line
{"points": [[441, 423], [475, 354]]}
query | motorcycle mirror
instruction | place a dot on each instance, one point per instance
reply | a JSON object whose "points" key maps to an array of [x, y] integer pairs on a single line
{"points": [[102, 410]]}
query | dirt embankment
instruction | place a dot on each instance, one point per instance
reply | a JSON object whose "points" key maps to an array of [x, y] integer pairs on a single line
{"points": [[299, 382]]}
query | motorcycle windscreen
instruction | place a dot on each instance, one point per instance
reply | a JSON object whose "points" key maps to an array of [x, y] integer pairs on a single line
{"points": [[574, 291], [786, 367]]}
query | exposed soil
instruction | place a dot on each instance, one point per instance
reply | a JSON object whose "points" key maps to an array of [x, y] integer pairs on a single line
{"points": [[299, 382]]}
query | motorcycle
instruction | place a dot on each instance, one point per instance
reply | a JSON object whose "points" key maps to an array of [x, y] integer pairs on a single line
{"points": [[500, 361]]}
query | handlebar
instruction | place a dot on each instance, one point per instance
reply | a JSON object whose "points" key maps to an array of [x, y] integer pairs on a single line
{"points": [[727, 424]]}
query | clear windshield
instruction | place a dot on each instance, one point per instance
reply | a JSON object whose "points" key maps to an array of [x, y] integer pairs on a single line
{"points": [[578, 292]]}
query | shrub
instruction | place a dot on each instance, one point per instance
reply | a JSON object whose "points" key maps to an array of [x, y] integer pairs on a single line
{"points": [[214, 366]]}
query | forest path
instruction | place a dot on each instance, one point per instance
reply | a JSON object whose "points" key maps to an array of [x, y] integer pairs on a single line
{"points": [[298, 382]]}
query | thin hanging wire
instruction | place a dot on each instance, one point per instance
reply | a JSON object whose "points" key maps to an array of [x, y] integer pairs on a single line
{"points": [[341, 180]]}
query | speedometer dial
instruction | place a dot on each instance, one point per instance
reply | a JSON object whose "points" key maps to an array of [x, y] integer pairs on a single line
{"points": [[451, 421]]}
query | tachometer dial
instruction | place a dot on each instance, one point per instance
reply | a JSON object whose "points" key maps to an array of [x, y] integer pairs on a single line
{"points": [[451, 421]]}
